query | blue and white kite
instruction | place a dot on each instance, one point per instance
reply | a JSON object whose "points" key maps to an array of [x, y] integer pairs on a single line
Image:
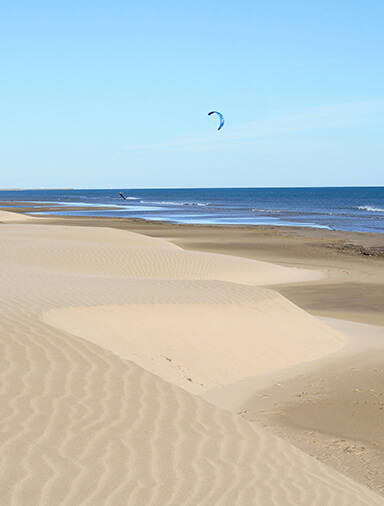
{"points": [[220, 116]]}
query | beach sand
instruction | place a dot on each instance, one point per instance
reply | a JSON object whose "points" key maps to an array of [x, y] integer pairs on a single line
{"points": [[158, 364]]}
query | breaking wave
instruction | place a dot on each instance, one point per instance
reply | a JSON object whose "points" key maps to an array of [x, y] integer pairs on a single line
{"points": [[371, 209], [167, 203]]}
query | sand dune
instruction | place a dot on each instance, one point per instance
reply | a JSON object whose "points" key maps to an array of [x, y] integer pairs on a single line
{"points": [[204, 345], [81, 425], [135, 256]]}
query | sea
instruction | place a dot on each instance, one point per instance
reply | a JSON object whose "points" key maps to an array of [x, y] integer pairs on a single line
{"points": [[359, 209]]}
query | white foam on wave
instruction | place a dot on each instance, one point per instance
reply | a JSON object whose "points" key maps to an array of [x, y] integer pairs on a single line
{"points": [[170, 203], [256, 210], [371, 209]]}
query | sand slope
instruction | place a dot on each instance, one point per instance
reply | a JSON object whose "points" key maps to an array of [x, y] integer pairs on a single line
{"points": [[204, 345], [9, 217], [80, 425]]}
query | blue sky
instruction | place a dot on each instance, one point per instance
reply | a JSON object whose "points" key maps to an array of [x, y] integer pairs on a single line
{"points": [[116, 94]]}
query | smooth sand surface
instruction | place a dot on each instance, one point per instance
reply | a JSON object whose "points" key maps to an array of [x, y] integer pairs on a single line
{"points": [[8, 217], [81, 424], [230, 334]]}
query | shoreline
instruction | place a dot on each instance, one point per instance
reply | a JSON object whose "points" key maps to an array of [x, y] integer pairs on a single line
{"points": [[364, 243]]}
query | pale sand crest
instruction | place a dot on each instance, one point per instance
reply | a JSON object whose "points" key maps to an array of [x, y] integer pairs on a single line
{"points": [[80, 425], [8, 217]]}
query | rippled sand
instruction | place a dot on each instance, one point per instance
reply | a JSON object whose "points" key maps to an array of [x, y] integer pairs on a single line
{"points": [[106, 338]]}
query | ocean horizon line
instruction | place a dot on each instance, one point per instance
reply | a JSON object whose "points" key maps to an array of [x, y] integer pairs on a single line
{"points": [[80, 188]]}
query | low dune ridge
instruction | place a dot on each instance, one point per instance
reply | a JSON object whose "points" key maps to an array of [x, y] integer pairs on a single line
{"points": [[81, 425]]}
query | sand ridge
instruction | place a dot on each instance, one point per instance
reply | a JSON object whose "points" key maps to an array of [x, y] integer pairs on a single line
{"points": [[9, 217], [135, 256], [80, 425]]}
